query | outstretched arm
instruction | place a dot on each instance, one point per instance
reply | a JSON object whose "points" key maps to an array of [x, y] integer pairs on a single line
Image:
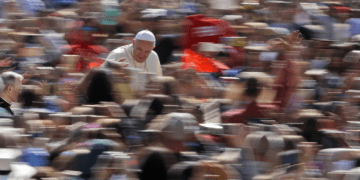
{"points": [[294, 39], [6, 62]]}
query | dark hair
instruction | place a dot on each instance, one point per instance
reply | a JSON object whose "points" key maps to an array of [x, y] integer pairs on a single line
{"points": [[305, 33], [154, 167], [167, 88], [356, 46], [223, 54], [310, 128], [27, 97], [100, 88], [289, 145], [311, 122], [30, 39], [252, 87]]}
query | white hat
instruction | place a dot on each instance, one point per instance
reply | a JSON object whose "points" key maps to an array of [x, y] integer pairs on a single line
{"points": [[145, 35]]}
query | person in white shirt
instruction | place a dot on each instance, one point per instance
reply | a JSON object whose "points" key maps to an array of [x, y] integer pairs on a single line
{"points": [[301, 18], [139, 55]]}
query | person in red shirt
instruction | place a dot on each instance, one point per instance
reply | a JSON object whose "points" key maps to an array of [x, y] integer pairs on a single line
{"points": [[199, 28]]}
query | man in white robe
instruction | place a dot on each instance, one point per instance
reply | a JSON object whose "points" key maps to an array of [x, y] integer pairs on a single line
{"points": [[139, 56]]}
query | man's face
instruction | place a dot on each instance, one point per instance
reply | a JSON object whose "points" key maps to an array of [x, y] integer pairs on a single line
{"points": [[15, 90], [142, 49]]}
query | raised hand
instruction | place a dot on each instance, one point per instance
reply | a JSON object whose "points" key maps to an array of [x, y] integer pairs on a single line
{"points": [[6, 62], [27, 76], [294, 39], [121, 63], [278, 43], [118, 64]]}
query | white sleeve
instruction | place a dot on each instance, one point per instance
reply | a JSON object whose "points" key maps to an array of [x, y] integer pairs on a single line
{"points": [[114, 55]]}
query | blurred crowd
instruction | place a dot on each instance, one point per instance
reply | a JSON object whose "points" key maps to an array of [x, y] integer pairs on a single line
{"points": [[247, 89]]}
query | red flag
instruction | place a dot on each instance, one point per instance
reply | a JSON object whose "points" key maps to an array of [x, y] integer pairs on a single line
{"points": [[196, 61]]}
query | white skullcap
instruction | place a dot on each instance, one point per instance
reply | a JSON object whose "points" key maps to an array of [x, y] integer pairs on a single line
{"points": [[145, 35]]}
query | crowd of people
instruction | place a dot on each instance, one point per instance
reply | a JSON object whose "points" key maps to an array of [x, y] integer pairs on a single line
{"points": [[179, 89]]}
